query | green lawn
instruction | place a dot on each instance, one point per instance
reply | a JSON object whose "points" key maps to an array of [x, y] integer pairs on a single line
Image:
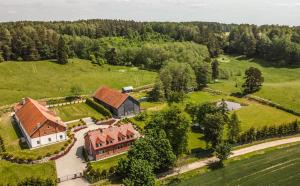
{"points": [[275, 167], [76, 111], [106, 164], [12, 173], [282, 85], [43, 79]]}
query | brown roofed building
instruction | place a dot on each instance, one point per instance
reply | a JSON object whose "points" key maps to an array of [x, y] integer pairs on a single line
{"points": [[39, 125], [103, 143], [120, 104]]}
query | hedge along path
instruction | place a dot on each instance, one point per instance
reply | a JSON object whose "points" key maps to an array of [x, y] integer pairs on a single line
{"points": [[235, 153]]}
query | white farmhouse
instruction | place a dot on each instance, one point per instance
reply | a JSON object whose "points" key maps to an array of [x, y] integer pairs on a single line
{"points": [[39, 125]]}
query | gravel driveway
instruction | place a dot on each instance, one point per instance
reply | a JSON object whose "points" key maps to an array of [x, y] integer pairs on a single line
{"points": [[73, 162]]}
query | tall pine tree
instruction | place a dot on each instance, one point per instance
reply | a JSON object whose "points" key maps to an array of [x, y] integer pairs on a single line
{"points": [[62, 55]]}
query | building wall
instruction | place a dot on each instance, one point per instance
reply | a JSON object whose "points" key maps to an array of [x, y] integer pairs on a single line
{"points": [[43, 140], [129, 107], [110, 151]]}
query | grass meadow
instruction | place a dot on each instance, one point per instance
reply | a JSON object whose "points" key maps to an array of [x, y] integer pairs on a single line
{"points": [[106, 164], [13, 173], [76, 111], [43, 79], [282, 85], [261, 168]]}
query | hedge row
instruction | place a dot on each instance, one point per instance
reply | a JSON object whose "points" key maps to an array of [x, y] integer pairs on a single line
{"points": [[272, 104], [92, 175], [269, 131], [98, 107], [36, 181]]}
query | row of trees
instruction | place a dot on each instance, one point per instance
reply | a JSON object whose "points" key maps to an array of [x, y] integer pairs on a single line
{"points": [[269, 131]]}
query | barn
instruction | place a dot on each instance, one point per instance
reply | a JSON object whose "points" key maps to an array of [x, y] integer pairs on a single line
{"points": [[120, 104]]}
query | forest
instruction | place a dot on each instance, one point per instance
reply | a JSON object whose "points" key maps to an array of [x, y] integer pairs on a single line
{"points": [[148, 44]]}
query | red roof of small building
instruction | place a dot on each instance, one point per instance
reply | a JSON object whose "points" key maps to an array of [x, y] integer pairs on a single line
{"points": [[110, 96], [113, 135], [33, 115]]}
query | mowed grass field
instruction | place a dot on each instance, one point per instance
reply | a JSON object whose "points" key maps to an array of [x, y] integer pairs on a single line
{"points": [[13, 173], [252, 114], [76, 111], [282, 85], [43, 79], [275, 167]]}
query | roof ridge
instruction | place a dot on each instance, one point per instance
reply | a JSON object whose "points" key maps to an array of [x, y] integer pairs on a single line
{"points": [[40, 107]]}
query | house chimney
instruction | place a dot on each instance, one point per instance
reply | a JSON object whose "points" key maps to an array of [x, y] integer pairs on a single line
{"points": [[23, 101]]}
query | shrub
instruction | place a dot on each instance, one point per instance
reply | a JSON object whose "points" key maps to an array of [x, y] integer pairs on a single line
{"points": [[98, 107]]}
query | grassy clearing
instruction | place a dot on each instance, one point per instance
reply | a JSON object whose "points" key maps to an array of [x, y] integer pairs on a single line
{"points": [[282, 85], [43, 79], [106, 164], [252, 114], [259, 168], [12, 173], [76, 111]]}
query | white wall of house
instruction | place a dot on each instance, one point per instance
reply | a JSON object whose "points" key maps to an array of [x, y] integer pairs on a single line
{"points": [[49, 139], [43, 140]]}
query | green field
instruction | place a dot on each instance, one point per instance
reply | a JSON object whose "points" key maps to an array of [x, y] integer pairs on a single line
{"points": [[12, 173], [43, 79], [76, 111], [282, 85], [275, 167], [252, 114]]}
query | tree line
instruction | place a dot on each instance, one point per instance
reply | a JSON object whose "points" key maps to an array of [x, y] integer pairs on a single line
{"points": [[29, 40]]}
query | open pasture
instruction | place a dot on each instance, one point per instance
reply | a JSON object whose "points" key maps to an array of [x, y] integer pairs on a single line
{"points": [[282, 85], [44, 79]]}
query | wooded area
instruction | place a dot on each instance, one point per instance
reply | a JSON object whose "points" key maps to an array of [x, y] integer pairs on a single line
{"points": [[132, 43]]}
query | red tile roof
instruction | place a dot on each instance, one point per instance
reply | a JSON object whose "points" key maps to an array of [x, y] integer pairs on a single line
{"points": [[33, 115], [110, 97], [111, 134]]}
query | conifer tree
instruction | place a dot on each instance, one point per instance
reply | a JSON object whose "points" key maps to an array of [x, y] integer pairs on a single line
{"points": [[62, 55]]}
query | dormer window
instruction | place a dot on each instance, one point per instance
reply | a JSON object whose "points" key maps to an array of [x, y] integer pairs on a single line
{"points": [[98, 144]]}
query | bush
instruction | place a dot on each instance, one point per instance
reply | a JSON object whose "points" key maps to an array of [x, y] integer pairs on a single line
{"points": [[98, 107]]}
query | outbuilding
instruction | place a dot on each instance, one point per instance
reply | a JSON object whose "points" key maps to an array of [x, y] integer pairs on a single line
{"points": [[120, 104]]}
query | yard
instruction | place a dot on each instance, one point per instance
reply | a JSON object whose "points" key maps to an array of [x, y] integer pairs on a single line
{"points": [[12, 173], [261, 169], [282, 85], [106, 164], [76, 111], [44, 79]]}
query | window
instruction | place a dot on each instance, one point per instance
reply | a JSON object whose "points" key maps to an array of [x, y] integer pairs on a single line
{"points": [[49, 139], [61, 136], [48, 127], [101, 152], [38, 142]]}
